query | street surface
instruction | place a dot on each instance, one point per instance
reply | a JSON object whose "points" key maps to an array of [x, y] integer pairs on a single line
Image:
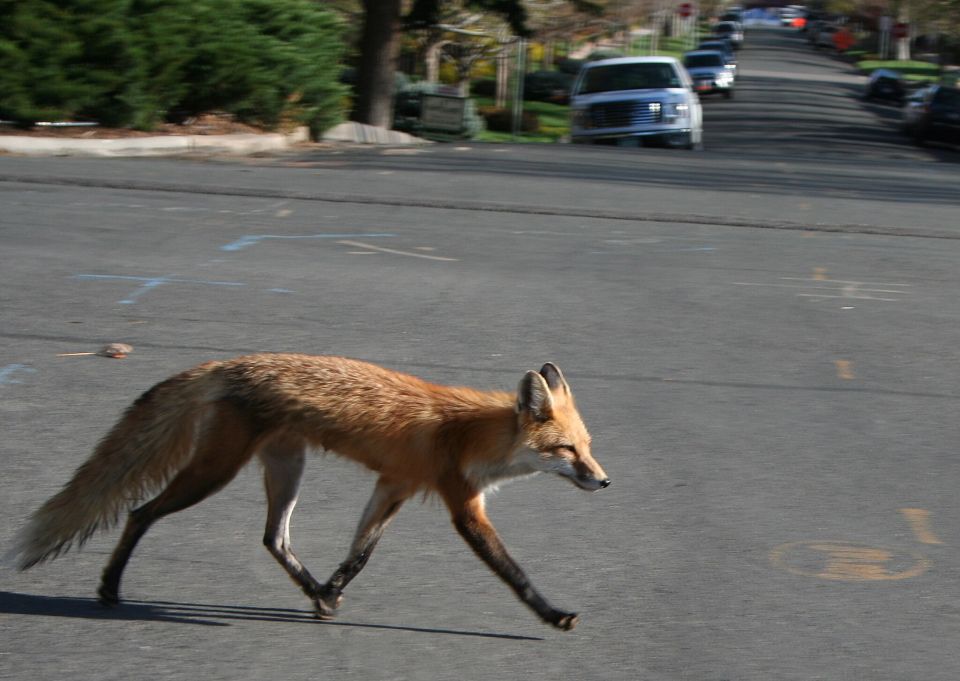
{"points": [[762, 338]]}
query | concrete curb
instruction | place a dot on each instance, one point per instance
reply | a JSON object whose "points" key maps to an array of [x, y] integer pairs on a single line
{"points": [[163, 145], [171, 145]]}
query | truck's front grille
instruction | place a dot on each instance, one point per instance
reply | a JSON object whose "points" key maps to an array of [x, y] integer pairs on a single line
{"points": [[624, 114]]}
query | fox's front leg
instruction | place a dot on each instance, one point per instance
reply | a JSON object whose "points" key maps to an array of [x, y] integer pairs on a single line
{"points": [[472, 523]]}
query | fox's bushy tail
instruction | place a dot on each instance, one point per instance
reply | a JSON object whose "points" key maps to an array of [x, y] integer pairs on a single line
{"points": [[147, 446]]}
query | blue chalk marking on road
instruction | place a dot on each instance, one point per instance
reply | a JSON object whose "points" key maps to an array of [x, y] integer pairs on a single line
{"points": [[9, 370], [253, 239], [150, 283], [147, 285]]}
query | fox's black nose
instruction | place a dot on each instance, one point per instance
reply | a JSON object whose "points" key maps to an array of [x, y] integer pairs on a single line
{"points": [[605, 483]]}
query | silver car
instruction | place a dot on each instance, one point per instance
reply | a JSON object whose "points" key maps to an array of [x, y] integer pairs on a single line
{"points": [[631, 100], [710, 72]]}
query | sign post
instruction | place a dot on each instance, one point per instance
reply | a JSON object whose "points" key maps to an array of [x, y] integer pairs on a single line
{"points": [[885, 24], [901, 32], [685, 11], [517, 118]]}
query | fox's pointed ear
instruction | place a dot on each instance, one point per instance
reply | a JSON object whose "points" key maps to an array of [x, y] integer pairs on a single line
{"points": [[533, 396], [554, 377]]}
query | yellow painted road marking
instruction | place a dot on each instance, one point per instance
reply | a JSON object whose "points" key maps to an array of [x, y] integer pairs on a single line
{"points": [[847, 562], [820, 273], [844, 369], [919, 520]]}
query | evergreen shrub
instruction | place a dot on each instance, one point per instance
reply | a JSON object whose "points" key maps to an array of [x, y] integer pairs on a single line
{"points": [[140, 62]]}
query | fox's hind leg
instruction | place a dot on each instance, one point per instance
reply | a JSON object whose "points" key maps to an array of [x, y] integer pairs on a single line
{"points": [[388, 496], [227, 442], [283, 463]]}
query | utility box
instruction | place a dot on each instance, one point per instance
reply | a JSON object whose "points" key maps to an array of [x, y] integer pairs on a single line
{"points": [[442, 113]]}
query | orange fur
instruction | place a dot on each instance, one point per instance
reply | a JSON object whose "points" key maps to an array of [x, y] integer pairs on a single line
{"points": [[194, 431]]}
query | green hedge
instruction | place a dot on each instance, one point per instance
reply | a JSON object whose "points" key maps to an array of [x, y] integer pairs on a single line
{"points": [[139, 62]]}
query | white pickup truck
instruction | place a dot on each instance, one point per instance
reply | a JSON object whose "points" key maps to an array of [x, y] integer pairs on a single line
{"points": [[635, 100]]}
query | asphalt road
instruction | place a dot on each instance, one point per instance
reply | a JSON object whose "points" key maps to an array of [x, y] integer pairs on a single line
{"points": [[762, 339]]}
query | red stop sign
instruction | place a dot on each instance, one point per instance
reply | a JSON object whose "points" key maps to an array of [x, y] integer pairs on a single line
{"points": [[900, 30], [685, 10]]}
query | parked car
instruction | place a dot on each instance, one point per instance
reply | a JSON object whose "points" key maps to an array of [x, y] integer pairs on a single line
{"points": [[790, 14], [732, 14], [887, 85], [810, 17], [724, 47], [547, 86], [813, 29], [634, 100], [933, 114], [731, 30], [709, 72], [825, 35]]}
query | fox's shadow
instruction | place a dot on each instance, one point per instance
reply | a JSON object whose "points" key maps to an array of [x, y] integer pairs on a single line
{"points": [[204, 614]]}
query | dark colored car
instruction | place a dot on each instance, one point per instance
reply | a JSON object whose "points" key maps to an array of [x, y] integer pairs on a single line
{"points": [[933, 114], [731, 30], [548, 86], [885, 85]]}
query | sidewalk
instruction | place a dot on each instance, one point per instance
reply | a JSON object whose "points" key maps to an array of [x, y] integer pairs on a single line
{"points": [[172, 145]]}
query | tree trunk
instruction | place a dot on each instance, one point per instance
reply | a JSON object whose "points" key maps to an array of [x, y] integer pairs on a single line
{"points": [[433, 61], [379, 48]]}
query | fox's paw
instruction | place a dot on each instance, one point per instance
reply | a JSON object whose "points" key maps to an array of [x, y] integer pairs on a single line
{"points": [[326, 603], [564, 621], [324, 610], [107, 597]]}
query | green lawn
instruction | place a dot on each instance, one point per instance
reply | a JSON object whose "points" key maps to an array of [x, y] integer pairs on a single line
{"points": [[667, 47], [554, 123], [910, 70]]}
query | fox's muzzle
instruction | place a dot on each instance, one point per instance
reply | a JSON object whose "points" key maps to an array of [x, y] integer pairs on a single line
{"points": [[590, 483]]}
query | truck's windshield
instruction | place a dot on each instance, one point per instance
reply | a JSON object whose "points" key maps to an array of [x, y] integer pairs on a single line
{"points": [[615, 77]]}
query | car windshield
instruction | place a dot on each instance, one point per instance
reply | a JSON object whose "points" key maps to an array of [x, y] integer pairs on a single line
{"points": [[615, 77], [693, 61]]}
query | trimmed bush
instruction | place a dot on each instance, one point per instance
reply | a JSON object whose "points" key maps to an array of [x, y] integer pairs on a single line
{"points": [[63, 60], [139, 62], [501, 120], [483, 87]]}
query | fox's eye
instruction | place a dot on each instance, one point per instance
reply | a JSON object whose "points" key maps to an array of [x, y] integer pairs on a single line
{"points": [[569, 448]]}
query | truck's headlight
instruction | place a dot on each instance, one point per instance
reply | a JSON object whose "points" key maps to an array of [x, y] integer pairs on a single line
{"points": [[580, 118], [672, 112]]}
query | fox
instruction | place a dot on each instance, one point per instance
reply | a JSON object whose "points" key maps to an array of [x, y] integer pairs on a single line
{"points": [[188, 436]]}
